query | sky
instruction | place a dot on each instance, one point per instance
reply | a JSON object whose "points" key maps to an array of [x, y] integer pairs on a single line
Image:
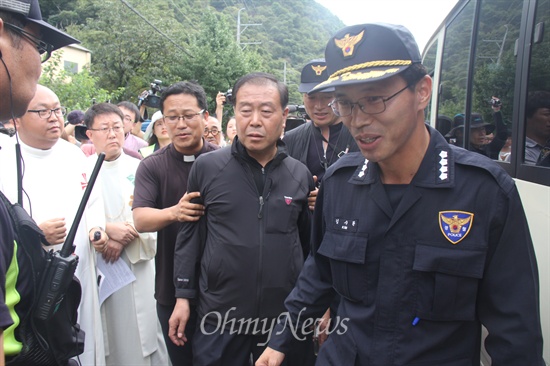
{"points": [[421, 17]]}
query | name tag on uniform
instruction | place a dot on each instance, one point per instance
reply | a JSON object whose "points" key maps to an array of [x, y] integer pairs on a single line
{"points": [[343, 224]]}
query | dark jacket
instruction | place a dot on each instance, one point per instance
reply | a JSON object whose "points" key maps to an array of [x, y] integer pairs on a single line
{"points": [[248, 248], [416, 287], [298, 141]]}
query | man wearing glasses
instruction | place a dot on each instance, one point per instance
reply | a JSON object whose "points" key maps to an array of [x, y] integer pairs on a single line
{"points": [[213, 132], [130, 327], [161, 201], [402, 232]]}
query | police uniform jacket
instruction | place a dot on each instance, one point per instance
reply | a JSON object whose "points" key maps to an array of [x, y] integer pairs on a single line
{"points": [[418, 280], [248, 248]]}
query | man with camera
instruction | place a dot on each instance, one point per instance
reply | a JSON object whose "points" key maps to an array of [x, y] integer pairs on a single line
{"points": [[479, 130], [221, 100]]}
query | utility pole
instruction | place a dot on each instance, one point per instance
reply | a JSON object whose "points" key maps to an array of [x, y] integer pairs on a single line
{"points": [[239, 31]]}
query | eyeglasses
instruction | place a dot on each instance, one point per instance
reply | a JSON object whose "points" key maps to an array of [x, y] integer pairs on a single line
{"points": [[187, 117], [129, 119], [367, 105], [107, 130], [47, 113], [213, 131], [44, 49]]}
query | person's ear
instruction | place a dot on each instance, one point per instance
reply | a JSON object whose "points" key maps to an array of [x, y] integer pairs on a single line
{"points": [[89, 134], [424, 91]]}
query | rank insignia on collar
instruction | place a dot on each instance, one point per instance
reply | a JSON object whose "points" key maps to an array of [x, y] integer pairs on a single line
{"points": [[318, 69], [363, 169], [443, 166], [348, 43], [455, 225]]}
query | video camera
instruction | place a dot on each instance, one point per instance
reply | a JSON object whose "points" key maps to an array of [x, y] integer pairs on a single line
{"points": [[295, 121], [228, 96], [150, 98]]}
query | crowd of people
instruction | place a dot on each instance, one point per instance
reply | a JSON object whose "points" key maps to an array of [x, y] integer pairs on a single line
{"points": [[360, 237]]}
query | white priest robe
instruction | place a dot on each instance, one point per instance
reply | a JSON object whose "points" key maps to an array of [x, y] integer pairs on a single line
{"points": [[54, 181], [132, 333]]}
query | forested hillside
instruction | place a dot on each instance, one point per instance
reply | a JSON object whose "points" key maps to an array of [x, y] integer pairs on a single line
{"points": [[134, 42]]}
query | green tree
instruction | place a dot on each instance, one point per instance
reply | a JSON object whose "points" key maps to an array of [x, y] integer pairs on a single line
{"points": [[217, 60], [75, 91], [128, 53]]}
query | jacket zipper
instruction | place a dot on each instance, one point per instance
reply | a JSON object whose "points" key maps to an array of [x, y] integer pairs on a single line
{"points": [[260, 217]]}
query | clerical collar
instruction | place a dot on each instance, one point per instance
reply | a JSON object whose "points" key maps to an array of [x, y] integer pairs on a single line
{"points": [[206, 147]]}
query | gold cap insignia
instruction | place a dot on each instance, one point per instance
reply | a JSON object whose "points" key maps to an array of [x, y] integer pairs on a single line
{"points": [[318, 69], [348, 43]]}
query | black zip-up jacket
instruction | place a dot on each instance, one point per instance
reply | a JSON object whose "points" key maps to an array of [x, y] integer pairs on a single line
{"points": [[247, 251], [298, 142]]}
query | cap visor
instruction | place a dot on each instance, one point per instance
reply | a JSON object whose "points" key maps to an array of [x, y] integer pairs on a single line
{"points": [[306, 88], [360, 76], [53, 36]]}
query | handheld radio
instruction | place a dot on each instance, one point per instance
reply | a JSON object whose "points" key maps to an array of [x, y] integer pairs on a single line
{"points": [[61, 265]]}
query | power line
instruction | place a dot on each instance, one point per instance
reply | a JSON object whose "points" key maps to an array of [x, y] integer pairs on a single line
{"points": [[155, 28], [178, 9]]}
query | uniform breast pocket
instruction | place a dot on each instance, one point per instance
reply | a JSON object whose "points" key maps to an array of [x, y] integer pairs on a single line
{"points": [[347, 261], [447, 281]]}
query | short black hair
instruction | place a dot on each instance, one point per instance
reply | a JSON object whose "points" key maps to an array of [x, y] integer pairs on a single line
{"points": [[262, 78], [100, 109], [536, 100], [185, 87], [413, 74], [131, 107]]}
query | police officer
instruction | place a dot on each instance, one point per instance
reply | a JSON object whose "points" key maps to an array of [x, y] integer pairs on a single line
{"points": [[323, 141], [403, 232], [25, 41]]}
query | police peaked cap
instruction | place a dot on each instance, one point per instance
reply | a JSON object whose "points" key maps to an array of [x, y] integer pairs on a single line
{"points": [[368, 52], [314, 73]]}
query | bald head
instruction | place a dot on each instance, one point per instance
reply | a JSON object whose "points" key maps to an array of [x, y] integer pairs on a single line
{"points": [[43, 129]]}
